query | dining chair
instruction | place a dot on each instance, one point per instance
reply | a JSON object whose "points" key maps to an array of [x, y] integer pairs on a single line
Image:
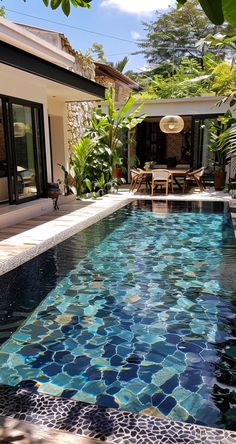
{"points": [[134, 178], [196, 176], [139, 177], [162, 177]]}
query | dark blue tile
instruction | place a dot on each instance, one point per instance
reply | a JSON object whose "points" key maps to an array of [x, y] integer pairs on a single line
{"points": [[167, 405], [107, 401], [109, 350], [41, 360], [109, 376], [190, 380], [62, 357], [68, 393], [52, 369], [157, 399], [170, 385], [116, 360], [93, 374]]}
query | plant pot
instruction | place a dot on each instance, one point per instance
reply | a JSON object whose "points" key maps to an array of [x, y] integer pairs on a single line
{"points": [[219, 180], [116, 172]]}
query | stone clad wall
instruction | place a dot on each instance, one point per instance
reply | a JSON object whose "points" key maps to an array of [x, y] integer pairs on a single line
{"points": [[78, 113]]}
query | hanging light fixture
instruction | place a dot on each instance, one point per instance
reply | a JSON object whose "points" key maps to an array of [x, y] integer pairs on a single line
{"points": [[171, 124]]}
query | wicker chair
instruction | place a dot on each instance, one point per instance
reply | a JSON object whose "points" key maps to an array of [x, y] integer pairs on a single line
{"points": [[162, 177], [194, 176], [139, 177]]}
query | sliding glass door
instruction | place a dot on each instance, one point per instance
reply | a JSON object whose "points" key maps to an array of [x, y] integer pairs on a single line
{"points": [[201, 156], [4, 193], [25, 149]]}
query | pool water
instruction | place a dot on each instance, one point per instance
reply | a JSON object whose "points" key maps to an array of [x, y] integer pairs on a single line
{"points": [[137, 314]]}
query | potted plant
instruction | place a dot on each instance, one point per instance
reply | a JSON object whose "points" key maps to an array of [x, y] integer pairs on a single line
{"points": [[222, 145], [116, 164]]}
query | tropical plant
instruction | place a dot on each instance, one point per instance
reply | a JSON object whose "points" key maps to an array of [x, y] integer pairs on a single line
{"points": [[223, 140], [108, 128], [98, 54], [217, 11], [81, 153]]}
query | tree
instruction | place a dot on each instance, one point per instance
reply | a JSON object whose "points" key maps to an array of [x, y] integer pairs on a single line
{"points": [[97, 52], [188, 81], [217, 11], [2, 11], [120, 65], [224, 79], [173, 35]]}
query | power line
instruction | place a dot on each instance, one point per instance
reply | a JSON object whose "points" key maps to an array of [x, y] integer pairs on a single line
{"points": [[73, 27]]}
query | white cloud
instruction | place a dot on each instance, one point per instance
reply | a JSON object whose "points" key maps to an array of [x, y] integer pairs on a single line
{"points": [[138, 7], [135, 35]]}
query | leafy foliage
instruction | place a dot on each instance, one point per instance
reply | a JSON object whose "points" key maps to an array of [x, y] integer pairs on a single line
{"points": [[109, 128], [189, 81], [66, 4], [223, 139], [97, 52], [224, 79], [217, 11], [81, 153], [2, 11], [173, 36]]}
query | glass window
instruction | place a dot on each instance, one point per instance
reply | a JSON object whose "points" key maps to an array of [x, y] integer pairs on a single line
{"points": [[24, 151]]}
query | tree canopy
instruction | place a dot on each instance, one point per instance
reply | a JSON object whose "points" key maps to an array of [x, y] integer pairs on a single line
{"points": [[174, 35], [97, 53], [217, 11]]}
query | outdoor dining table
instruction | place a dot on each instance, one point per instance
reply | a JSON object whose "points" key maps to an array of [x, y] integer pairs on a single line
{"points": [[175, 173]]}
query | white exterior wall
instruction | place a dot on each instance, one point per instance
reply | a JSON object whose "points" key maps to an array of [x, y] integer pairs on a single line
{"points": [[21, 85], [57, 112]]}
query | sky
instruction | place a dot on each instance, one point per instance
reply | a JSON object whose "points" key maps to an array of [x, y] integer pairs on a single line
{"points": [[118, 18]]}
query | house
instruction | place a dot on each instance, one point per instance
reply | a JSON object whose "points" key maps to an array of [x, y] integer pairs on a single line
{"points": [[37, 82], [79, 112], [190, 146]]}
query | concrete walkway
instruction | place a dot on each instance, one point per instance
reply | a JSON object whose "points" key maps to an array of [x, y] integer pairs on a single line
{"points": [[26, 240]]}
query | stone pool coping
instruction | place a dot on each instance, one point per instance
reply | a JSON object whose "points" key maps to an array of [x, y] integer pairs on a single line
{"points": [[103, 424], [31, 243]]}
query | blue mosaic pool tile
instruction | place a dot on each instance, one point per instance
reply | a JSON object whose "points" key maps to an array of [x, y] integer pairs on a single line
{"points": [[167, 405], [136, 325]]}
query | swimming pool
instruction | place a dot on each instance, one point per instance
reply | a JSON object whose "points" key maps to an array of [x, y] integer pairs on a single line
{"points": [[137, 314]]}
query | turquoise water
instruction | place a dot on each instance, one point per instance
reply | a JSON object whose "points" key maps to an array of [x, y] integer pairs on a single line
{"points": [[141, 317]]}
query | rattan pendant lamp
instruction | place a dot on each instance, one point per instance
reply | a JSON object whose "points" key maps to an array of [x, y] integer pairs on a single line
{"points": [[171, 124]]}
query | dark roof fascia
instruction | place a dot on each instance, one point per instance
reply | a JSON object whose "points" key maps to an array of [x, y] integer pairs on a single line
{"points": [[17, 58]]}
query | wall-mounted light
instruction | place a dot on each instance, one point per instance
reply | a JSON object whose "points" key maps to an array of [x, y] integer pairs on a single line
{"points": [[171, 124]]}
